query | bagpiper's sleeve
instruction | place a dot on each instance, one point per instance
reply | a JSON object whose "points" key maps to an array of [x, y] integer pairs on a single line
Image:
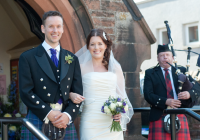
{"points": [[195, 91], [194, 94]]}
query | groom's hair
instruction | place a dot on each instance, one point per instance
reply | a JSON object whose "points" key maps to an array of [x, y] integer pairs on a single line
{"points": [[49, 14]]}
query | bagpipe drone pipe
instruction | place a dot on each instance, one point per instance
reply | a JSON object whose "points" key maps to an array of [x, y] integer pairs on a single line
{"points": [[183, 79]]}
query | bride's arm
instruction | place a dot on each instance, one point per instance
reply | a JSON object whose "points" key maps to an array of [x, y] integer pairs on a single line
{"points": [[76, 98]]}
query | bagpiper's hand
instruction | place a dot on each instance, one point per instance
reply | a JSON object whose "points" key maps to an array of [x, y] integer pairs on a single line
{"points": [[117, 117], [184, 95], [76, 98], [173, 103]]}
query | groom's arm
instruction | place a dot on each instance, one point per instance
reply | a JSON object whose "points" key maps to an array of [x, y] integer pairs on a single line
{"points": [[72, 109], [26, 86]]}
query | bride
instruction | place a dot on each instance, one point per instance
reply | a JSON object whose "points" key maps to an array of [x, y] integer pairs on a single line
{"points": [[102, 77]]}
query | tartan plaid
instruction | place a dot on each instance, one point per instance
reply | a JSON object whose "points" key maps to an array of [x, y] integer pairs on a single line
{"points": [[27, 135], [168, 84], [157, 131]]}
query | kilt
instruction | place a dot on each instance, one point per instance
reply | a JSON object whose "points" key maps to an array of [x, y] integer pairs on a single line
{"points": [[27, 135], [157, 131]]}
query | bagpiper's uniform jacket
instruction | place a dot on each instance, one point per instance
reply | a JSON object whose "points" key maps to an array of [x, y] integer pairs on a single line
{"points": [[155, 91]]}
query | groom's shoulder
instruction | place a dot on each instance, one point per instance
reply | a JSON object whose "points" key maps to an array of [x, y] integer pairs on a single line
{"points": [[29, 52]]}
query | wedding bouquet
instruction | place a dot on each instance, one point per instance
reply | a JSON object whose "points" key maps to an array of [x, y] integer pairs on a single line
{"points": [[115, 106]]}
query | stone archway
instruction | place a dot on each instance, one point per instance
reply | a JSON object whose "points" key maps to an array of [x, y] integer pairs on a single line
{"points": [[73, 37], [77, 24]]}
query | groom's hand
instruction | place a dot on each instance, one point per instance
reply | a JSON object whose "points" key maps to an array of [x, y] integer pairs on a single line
{"points": [[76, 98], [51, 116], [62, 120]]}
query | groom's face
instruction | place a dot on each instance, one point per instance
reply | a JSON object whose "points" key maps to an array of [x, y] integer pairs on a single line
{"points": [[53, 29]]}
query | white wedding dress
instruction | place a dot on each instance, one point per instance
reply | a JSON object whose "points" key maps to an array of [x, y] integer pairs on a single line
{"points": [[95, 125]]}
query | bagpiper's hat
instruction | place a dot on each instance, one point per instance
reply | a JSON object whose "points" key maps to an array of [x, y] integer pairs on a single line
{"points": [[163, 48]]}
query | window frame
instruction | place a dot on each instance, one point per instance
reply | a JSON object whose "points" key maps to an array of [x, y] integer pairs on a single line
{"points": [[187, 42], [160, 31]]}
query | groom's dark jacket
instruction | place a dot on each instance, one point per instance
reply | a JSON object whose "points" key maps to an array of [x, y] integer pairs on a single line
{"points": [[155, 91], [41, 83]]}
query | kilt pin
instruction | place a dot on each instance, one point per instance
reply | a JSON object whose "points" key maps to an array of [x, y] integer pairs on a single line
{"points": [[157, 89], [44, 80]]}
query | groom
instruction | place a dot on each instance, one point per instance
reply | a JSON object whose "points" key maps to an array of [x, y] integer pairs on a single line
{"points": [[47, 75]]}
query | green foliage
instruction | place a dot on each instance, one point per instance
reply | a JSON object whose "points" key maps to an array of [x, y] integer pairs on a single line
{"points": [[10, 109], [69, 59]]}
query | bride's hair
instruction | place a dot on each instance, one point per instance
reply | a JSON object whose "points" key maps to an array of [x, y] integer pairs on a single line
{"points": [[106, 39]]}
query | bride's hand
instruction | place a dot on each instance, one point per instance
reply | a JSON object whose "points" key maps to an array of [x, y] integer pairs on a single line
{"points": [[76, 98], [117, 117]]}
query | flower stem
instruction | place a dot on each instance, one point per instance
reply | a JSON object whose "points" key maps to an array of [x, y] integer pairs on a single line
{"points": [[115, 126]]}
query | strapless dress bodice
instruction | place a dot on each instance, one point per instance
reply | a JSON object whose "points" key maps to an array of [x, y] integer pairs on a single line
{"points": [[95, 125], [98, 86]]}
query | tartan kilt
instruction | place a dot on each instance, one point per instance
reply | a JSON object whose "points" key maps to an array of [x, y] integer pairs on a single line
{"points": [[27, 135], [157, 131]]}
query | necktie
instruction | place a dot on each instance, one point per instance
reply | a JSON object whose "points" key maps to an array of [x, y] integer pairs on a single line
{"points": [[53, 57], [168, 84], [55, 61]]}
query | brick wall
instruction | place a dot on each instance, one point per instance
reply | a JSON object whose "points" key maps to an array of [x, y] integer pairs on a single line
{"points": [[104, 14]]}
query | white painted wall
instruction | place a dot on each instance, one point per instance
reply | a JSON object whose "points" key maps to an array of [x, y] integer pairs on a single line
{"points": [[178, 13], [9, 37]]}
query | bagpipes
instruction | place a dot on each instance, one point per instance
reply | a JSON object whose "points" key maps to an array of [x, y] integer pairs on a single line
{"points": [[188, 63], [183, 80], [188, 55]]}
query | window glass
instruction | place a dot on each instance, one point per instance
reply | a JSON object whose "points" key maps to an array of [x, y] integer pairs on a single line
{"points": [[164, 37], [193, 34]]}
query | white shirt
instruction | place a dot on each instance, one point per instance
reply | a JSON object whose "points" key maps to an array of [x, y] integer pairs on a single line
{"points": [[172, 82], [47, 47]]}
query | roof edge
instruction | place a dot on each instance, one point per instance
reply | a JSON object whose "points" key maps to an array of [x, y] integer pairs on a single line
{"points": [[137, 16]]}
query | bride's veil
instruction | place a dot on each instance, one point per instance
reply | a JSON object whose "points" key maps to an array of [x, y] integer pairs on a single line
{"points": [[85, 60]]}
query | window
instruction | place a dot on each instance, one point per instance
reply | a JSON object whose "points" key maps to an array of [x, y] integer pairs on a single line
{"points": [[192, 34], [163, 38]]}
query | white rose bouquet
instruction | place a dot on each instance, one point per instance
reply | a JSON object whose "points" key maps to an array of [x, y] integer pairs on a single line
{"points": [[115, 106]]}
